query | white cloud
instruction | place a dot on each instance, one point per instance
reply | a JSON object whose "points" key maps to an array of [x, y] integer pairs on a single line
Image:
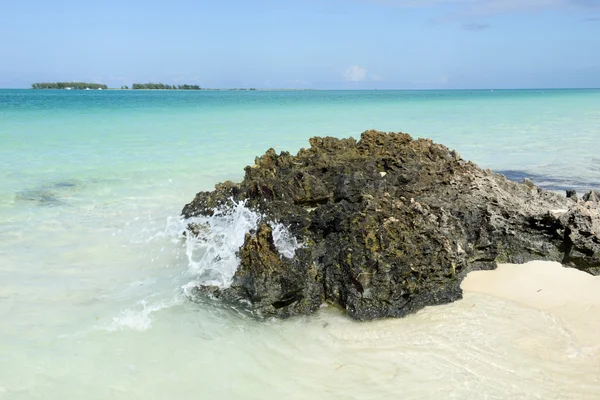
{"points": [[355, 74]]}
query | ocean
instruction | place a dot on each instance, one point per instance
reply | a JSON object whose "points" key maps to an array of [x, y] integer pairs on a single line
{"points": [[93, 266]]}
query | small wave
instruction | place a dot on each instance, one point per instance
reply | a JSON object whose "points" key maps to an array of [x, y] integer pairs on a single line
{"points": [[139, 318], [212, 258]]}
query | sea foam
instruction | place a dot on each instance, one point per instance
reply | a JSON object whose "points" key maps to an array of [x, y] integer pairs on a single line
{"points": [[212, 251], [139, 318], [212, 257]]}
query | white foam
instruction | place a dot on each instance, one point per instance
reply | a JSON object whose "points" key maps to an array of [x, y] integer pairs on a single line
{"points": [[285, 242], [212, 253], [139, 318]]}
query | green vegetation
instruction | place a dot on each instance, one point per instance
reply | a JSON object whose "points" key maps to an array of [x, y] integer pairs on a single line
{"points": [[66, 85], [162, 86], [138, 86]]}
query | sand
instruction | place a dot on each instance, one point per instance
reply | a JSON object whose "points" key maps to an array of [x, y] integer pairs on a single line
{"points": [[529, 331], [570, 294]]}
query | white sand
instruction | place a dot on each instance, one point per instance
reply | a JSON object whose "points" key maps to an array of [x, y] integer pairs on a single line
{"points": [[570, 294]]}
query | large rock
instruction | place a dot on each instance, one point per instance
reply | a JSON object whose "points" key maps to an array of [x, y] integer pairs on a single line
{"points": [[390, 225]]}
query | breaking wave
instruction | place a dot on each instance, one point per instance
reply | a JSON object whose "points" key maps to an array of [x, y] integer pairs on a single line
{"points": [[139, 318], [212, 247]]}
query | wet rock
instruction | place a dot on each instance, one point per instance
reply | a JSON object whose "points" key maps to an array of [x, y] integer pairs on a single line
{"points": [[389, 225]]}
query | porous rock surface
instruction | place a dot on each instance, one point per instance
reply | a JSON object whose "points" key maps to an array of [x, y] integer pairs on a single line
{"points": [[390, 225]]}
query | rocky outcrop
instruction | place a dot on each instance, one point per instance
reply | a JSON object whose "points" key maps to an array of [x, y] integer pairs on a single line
{"points": [[390, 225]]}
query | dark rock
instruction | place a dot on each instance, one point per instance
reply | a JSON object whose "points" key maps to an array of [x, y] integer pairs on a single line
{"points": [[572, 194], [389, 225]]}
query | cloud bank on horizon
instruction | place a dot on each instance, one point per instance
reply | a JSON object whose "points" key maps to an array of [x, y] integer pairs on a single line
{"points": [[338, 44], [355, 74]]}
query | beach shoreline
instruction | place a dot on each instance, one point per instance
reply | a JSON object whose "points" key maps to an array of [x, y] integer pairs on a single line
{"points": [[567, 293]]}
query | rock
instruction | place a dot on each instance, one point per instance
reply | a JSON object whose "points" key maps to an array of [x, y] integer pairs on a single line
{"points": [[389, 225], [271, 284], [592, 196], [529, 183]]}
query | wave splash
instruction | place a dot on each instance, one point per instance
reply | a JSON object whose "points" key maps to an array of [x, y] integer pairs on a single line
{"points": [[139, 318], [212, 247]]}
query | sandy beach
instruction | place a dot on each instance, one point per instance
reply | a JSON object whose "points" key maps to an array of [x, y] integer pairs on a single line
{"points": [[524, 331], [570, 294]]}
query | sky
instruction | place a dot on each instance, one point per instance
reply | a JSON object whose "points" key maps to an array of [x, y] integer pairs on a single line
{"points": [[320, 44]]}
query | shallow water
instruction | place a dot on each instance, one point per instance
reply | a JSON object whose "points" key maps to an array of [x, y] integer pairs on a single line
{"points": [[92, 263], [480, 347]]}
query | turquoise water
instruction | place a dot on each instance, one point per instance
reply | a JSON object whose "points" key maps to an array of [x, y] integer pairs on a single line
{"points": [[545, 132], [92, 264]]}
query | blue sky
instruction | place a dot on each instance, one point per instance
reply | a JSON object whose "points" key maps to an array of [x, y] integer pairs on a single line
{"points": [[337, 44]]}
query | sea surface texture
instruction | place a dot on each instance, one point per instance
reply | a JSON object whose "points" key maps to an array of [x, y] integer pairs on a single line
{"points": [[93, 267]]}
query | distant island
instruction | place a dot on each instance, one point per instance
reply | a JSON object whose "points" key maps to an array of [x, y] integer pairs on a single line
{"points": [[135, 86], [161, 86], [69, 86]]}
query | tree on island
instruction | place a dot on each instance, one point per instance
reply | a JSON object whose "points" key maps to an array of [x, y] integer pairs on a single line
{"points": [[188, 87], [162, 86], [69, 85]]}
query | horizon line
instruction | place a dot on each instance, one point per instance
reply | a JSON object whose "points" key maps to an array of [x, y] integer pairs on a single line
{"points": [[327, 89]]}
